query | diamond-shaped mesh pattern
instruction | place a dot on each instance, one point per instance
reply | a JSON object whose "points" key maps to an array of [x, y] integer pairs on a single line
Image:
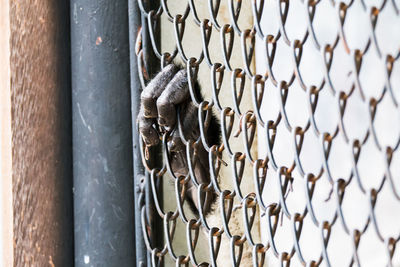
{"points": [[310, 132]]}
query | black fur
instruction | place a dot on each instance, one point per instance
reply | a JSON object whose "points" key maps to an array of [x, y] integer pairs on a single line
{"points": [[161, 99]]}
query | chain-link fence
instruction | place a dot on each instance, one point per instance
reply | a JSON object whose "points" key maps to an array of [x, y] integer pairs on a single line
{"points": [[307, 95]]}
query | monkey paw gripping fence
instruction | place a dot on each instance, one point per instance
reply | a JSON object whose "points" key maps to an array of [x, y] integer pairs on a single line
{"points": [[308, 170]]}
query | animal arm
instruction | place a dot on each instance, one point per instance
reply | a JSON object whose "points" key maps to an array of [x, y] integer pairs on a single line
{"points": [[161, 98]]}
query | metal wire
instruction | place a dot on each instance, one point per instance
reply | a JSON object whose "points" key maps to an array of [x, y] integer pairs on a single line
{"points": [[250, 121]]}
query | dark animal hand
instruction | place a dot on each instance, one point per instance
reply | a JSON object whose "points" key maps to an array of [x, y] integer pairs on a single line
{"points": [[160, 100]]}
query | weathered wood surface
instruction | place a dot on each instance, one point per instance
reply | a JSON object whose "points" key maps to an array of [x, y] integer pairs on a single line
{"points": [[6, 220], [41, 133]]}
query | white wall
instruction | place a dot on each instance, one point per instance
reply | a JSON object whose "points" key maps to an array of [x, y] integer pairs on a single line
{"points": [[371, 167]]}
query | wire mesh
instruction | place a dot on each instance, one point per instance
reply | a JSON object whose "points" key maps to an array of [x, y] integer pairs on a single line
{"points": [[318, 138]]}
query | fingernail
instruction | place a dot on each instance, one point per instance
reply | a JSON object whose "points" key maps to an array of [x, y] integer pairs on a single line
{"points": [[161, 121], [147, 142], [147, 113]]}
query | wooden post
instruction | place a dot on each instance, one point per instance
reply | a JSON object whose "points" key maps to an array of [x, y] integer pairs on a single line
{"points": [[6, 218], [40, 124]]}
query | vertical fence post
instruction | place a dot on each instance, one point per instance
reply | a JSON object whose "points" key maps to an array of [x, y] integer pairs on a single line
{"points": [[102, 158], [35, 66], [6, 179], [138, 169], [137, 21]]}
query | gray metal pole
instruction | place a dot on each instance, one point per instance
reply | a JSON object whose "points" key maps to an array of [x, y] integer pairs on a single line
{"points": [[138, 169], [102, 141]]}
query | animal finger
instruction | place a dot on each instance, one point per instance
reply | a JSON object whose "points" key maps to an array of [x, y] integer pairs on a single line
{"points": [[148, 133], [154, 89], [176, 92]]}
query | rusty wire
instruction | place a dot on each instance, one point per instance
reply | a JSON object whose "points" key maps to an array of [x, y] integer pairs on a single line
{"points": [[253, 119]]}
